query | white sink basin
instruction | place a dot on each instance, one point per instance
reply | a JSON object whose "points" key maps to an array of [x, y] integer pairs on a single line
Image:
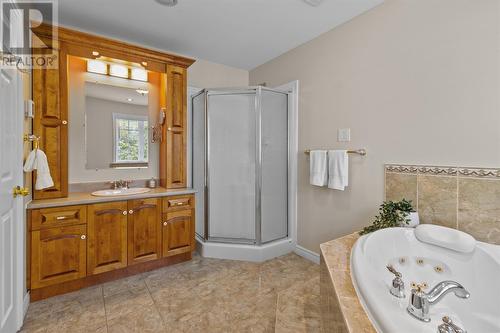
{"points": [[120, 192]]}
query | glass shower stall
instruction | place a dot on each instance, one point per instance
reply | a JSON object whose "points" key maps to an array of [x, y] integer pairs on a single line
{"points": [[240, 165]]}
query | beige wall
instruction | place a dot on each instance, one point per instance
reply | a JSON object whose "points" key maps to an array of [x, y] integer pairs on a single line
{"points": [[205, 74], [417, 81]]}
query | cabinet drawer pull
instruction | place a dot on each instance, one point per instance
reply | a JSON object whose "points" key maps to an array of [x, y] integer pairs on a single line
{"points": [[131, 211], [180, 203], [165, 224], [59, 218], [83, 237], [124, 212]]}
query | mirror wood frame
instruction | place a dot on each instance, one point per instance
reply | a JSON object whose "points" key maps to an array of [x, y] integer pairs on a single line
{"points": [[50, 94]]}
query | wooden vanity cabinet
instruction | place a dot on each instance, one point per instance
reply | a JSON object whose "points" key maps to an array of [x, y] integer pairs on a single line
{"points": [[144, 230], [50, 124], [58, 255], [173, 163], [178, 225], [107, 237], [73, 247]]}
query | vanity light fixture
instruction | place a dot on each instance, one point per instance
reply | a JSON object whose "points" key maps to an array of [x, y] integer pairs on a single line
{"points": [[118, 70], [95, 53], [144, 64], [139, 74], [97, 66]]}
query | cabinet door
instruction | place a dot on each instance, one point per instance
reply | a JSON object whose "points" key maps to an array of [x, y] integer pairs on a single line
{"points": [[144, 230], [175, 126], [107, 237], [51, 124], [58, 255], [178, 232]]}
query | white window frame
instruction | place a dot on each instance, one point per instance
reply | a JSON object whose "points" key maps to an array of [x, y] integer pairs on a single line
{"points": [[116, 117]]}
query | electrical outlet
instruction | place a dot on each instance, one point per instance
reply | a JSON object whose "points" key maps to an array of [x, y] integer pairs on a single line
{"points": [[344, 135]]}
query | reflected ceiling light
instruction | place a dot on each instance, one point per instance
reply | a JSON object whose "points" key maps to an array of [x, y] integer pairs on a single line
{"points": [[168, 3], [129, 99], [313, 3], [142, 92]]}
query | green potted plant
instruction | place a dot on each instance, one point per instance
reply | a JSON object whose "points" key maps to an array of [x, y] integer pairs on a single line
{"points": [[393, 214]]}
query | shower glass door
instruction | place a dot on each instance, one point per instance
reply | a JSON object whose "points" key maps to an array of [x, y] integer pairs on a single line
{"points": [[231, 167]]}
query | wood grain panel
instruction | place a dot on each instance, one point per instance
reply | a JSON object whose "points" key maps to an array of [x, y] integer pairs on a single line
{"points": [[58, 217], [50, 124], [178, 232], [175, 129], [144, 230], [58, 255], [107, 237]]}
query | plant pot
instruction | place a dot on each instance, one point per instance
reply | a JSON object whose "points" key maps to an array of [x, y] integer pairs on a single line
{"points": [[414, 220]]}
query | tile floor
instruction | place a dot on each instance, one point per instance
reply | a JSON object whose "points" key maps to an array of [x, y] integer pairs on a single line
{"points": [[202, 295]]}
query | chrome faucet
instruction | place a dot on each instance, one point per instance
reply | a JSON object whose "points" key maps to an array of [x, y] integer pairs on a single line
{"points": [[449, 327], [420, 301], [398, 285], [120, 184]]}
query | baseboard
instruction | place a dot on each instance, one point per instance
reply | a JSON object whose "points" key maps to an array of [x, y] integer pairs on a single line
{"points": [[307, 254], [244, 252], [26, 303]]}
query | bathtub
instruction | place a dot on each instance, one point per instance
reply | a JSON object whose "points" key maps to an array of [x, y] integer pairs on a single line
{"points": [[478, 272]]}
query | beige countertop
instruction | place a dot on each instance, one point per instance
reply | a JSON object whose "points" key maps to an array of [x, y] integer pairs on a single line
{"points": [[337, 255], [83, 198]]}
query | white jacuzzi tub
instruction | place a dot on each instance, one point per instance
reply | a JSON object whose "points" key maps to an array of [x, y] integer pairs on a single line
{"points": [[478, 272]]}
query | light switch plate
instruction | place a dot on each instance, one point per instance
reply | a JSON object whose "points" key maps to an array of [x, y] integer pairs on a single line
{"points": [[344, 135]]}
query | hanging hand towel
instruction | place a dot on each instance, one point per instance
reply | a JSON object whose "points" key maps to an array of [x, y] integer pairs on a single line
{"points": [[338, 169], [318, 168], [37, 160]]}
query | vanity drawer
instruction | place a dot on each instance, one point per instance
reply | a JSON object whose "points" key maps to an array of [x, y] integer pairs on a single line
{"points": [[57, 217], [177, 202]]}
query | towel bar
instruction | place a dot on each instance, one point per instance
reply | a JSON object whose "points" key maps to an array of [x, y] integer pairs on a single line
{"points": [[361, 152]]}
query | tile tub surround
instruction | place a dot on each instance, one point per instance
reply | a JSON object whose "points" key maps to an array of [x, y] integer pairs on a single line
{"points": [[203, 295], [85, 198], [341, 310], [467, 199]]}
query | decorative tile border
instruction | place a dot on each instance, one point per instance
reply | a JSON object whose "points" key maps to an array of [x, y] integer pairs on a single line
{"points": [[444, 171]]}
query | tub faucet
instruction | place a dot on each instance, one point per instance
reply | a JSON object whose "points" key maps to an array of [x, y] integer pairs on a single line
{"points": [[449, 327], [398, 285], [420, 301]]}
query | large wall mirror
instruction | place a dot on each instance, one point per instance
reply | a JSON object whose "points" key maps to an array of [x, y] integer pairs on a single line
{"points": [[112, 107]]}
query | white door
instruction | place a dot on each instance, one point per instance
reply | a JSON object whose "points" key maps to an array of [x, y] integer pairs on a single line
{"points": [[11, 209]]}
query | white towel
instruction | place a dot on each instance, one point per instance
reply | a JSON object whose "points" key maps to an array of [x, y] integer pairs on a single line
{"points": [[318, 168], [37, 160], [338, 169]]}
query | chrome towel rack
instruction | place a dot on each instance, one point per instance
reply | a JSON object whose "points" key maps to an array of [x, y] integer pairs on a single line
{"points": [[361, 151]]}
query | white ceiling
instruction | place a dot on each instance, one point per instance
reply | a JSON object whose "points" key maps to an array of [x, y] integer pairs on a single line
{"points": [[238, 33]]}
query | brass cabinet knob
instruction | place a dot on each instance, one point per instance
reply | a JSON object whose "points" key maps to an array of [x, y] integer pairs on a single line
{"points": [[131, 211], [124, 212], [83, 237], [165, 224], [169, 129], [65, 122]]}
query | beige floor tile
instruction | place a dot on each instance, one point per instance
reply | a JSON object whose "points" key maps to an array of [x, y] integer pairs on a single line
{"points": [[202, 295]]}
